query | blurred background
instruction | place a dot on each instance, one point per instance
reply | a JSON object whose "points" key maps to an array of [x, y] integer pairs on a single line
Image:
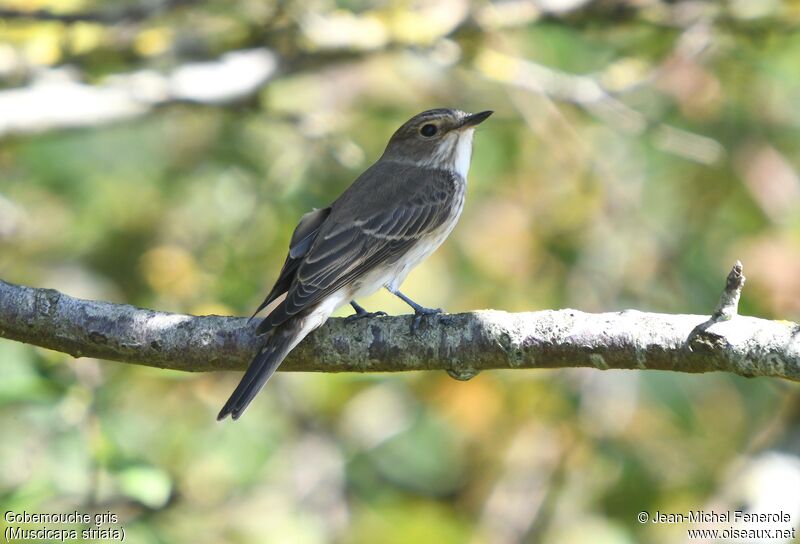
{"points": [[160, 152]]}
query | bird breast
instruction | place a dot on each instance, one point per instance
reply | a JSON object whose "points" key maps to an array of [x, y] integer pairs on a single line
{"points": [[392, 275]]}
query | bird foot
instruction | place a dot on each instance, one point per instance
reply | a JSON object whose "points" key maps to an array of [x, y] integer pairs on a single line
{"points": [[421, 312], [363, 315]]}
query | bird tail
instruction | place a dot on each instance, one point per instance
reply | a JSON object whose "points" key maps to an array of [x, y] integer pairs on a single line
{"points": [[282, 340]]}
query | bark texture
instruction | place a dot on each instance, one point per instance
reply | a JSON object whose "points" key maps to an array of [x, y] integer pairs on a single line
{"points": [[462, 344]]}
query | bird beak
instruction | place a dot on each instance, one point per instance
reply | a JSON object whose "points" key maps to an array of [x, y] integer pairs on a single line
{"points": [[475, 119]]}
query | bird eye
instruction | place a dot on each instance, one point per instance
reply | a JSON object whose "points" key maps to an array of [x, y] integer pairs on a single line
{"points": [[428, 130]]}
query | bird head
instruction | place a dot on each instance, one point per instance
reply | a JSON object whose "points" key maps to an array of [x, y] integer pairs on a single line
{"points": [[440, 138]]}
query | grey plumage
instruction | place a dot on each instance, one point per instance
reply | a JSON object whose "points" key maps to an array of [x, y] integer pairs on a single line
{"points": [[302, 238], [362, 232], [393, 216], [261, 369]]}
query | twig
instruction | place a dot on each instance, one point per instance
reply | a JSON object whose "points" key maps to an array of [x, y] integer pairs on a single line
{"points": [[728, 305]]}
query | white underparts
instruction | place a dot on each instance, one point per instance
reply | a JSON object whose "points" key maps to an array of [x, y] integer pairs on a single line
{"points": [[463, 152], [453, 153]]}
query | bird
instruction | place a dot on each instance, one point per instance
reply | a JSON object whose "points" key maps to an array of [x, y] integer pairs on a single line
{"points": [[390, 219]]}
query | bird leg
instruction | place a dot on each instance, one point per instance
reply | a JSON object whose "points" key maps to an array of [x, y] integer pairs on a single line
{"points": [[361, 313], [419, 311]]}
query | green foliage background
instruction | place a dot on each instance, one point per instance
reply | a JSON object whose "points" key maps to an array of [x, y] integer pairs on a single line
{"points": [[189, 208]]}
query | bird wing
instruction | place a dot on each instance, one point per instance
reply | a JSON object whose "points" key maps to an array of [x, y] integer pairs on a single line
{"points": [[302, 238], [375, 221]]}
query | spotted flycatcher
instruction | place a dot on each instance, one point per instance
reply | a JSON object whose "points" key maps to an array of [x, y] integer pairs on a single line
{"points": [[390, 219]]}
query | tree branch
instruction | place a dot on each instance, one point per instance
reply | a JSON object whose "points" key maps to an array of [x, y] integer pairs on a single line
{"points": [[462, 344], [114, 15]]}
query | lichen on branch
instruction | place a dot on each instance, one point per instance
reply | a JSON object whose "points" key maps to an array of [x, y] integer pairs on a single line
{"points": [[462, 344]]}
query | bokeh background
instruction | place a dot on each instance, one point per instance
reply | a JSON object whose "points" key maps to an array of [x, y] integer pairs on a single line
{"points": [[160, 152]]}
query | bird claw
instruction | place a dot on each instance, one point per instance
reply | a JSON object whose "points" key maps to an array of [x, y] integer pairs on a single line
{"points": [[364, 315], [420, 313]]}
